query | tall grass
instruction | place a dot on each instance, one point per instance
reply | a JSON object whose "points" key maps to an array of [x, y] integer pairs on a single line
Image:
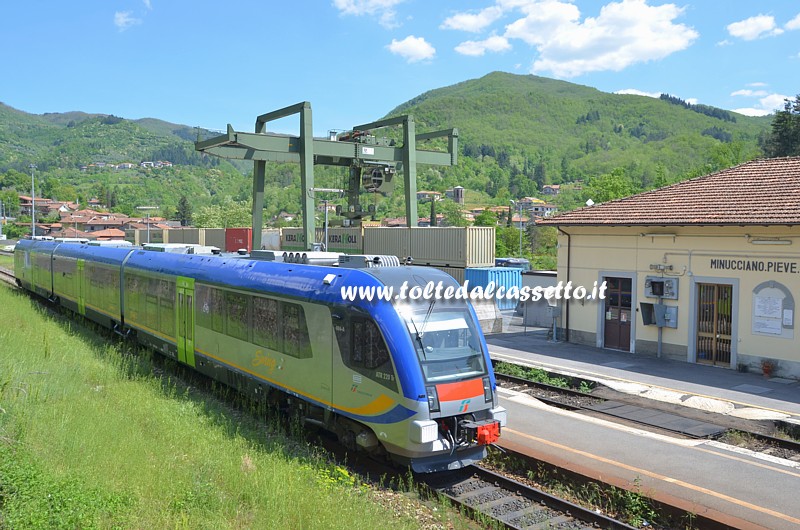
{"points": [[91, 438], [7, 261]]}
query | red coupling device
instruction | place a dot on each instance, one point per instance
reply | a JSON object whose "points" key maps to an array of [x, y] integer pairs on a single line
{"points": [[488, 433]]}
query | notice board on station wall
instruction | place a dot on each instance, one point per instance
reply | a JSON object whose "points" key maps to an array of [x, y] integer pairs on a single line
{"points": [[773, 310]]}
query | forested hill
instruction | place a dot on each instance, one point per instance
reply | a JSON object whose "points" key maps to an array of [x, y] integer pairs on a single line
{"points": [[516, 133], [575, 132]]}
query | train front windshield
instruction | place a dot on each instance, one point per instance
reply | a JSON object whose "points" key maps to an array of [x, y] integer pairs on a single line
{"points": [[447, 342]]}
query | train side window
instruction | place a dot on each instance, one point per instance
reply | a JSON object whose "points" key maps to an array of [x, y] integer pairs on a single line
{"points": [[166, 298], [238, 315], [266, 315], [364, 350], [210, 308], [295, 331]]}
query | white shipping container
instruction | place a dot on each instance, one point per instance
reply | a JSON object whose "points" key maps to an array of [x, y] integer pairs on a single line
{"points": [[271, 239], [387, 241], [458, 247]]}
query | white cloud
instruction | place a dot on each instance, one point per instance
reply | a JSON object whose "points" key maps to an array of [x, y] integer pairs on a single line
{"points": [[625, 33], [147, 5], [724, 42], [754, 27], [477, 48], [636, 92], [753, 112], [125, 19], [382, 8], [757, 84], [767, 104], [412, 48], [473, 22], [750, 93], [793, 24]]}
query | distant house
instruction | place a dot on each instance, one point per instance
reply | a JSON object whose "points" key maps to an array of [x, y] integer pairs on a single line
{"points": [[126, 165], [526, 203], [429, 195], [112, 234], [100, 223], [543, 210], [551, 189]]}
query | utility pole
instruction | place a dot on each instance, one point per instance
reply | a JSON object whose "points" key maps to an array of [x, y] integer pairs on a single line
{"points": [[33, 203], [325, 203]]}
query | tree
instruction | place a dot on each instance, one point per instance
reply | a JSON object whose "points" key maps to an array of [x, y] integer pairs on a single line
{"points": [[610, 186], [184, 211], [453, 216], [784, 138], [486, 218]]}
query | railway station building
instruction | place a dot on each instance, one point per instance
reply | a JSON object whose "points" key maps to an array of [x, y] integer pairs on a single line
{"points": [[705, 271]]}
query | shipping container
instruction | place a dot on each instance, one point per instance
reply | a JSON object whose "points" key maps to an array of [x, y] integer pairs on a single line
{"points": [[502, 277], [183, 235], [347, 240], [271, 239], [156, 235], [387, 241], [295, 238], [238, 238], [132, 236], [214, 237], [455, 272], [459, 247]]}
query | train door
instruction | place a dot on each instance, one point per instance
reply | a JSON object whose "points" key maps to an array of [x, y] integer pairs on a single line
{"points": [[184, 315], [80, 287]]}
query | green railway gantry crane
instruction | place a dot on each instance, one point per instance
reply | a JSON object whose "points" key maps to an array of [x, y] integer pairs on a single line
{"points": [[372, 161]]}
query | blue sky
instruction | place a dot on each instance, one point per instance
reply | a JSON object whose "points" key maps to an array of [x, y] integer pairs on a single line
{"points": [[207, 64]]}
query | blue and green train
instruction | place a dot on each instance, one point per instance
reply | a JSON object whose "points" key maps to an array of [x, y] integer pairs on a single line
{"points": [[409, 380]]}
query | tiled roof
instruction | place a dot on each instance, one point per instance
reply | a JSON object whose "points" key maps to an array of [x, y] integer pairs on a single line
{"points": [[760, 192]]}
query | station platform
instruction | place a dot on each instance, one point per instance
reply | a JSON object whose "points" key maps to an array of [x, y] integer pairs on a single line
{"points": [[733, 487], [715, 389]]}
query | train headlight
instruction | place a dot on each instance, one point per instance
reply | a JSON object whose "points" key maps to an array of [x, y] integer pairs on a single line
{"points": [[433, 398], [487, 390]]}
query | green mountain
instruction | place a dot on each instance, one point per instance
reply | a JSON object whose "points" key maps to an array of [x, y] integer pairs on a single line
{"points": [[516, 133], [71, 151], [575, 132]]}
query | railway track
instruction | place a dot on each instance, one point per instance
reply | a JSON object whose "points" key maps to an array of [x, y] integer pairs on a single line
{"points": [[570, 399], [7, 276], [487, 495]]}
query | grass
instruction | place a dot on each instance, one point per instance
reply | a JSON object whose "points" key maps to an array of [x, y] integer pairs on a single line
{"points": [[7, 261], [91, 438]]}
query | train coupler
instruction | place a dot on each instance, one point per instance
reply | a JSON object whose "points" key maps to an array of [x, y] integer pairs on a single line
{"points": [[483, 432]]}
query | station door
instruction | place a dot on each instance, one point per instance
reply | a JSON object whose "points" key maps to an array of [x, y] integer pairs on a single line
{"points": [[714, 323], [617, 321]]}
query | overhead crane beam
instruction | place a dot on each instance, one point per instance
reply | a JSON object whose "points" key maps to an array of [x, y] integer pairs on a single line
{"points": [[355, 153]]}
